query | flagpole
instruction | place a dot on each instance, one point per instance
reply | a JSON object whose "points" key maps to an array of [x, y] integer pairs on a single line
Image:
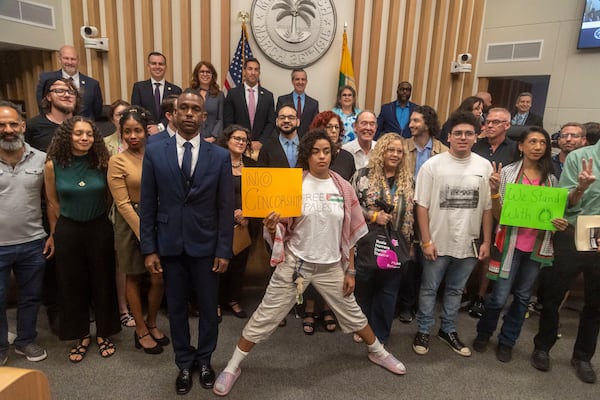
{"points": [[244, 16]]}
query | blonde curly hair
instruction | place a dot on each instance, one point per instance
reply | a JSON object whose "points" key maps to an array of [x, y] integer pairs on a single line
{"points": [[404, 178]]}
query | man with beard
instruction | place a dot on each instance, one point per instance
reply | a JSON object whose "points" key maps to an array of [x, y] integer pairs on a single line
{"points": [[395, 116], [22, 234], [282, 151], [186, 220], [572, 136], [60, 103], [88, 88]]}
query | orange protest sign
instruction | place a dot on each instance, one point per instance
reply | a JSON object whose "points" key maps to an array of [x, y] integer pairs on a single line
{"points": [[271, 189]]}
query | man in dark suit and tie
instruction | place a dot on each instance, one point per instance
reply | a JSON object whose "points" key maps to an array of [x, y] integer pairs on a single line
{"points": [[151, 92], [394, 116], [523, 115], [186, 231], [88, 88], [282, 151], [306, 107], [251, 106]]}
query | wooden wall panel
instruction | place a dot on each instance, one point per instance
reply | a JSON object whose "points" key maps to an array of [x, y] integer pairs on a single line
{"points": [[388, 91], [373, 54], [421, 38], [186, 44], [205, 28]]}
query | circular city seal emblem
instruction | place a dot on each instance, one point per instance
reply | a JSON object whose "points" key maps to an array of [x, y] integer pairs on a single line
{"points": [[293, 33]]}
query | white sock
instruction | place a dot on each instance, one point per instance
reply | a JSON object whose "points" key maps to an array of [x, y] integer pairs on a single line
{"points": [[236, 358], [377, 349]]}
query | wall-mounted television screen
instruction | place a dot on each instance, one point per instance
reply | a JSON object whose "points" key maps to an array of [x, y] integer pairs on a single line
{"points": [[589, 35]]}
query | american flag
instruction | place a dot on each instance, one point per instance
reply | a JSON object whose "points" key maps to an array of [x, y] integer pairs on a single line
{"points": [[234, 76]]}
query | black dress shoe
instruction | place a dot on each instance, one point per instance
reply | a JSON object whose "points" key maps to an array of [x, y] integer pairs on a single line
{"points": [[183, 384], [207, 376]]}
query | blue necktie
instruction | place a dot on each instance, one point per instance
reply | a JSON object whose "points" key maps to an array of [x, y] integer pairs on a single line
{"points": [[290, 153], [186, 163]]}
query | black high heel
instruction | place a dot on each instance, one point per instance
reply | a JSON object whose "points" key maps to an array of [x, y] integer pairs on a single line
{"points": [[163, 341], [148, 350]]}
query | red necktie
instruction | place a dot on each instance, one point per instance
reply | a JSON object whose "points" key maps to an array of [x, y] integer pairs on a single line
{"points": [[299, 107]]}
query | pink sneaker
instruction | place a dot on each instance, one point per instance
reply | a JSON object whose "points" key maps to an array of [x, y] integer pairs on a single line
{"points": [[225, 382], [389, 362]]}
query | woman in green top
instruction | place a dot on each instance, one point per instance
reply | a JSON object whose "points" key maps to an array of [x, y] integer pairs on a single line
{"points": [[82, 235]]}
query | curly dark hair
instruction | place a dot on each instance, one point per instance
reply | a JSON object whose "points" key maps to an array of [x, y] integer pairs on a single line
{"points": [[430, 118], [213, 87], [138, 114], [60, 149], [306, 144], [45, 104], [462, 117], [224, 138]]}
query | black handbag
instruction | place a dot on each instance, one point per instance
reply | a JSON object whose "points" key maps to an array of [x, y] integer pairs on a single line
{"points": [[382, 248]]}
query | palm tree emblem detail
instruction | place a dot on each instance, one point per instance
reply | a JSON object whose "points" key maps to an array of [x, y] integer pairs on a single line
{"points": [[303, 9]]}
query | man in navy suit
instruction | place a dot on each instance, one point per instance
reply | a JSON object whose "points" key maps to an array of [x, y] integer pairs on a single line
{"points": [[306, 107], [394, 116], [151, 92], [238, 106], [186, 231], [88, 88]]}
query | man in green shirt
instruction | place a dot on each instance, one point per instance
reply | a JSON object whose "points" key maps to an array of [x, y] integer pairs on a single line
{"points": [[579, 176]]}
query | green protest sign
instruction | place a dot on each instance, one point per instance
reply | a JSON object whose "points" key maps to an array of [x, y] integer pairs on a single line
{"points": [[530, 206]]}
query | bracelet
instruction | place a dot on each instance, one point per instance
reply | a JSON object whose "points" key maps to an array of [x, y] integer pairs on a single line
{"points": [[374, 216], [351, 272], [425, 245], [495, 196]]}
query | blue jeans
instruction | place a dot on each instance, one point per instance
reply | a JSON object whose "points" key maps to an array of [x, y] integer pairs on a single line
{"points": [[27, 262], [376, 292], [456, 271], [522, 277]]}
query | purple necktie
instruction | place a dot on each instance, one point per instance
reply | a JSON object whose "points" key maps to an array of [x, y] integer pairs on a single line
{"points": [[251, 106]]}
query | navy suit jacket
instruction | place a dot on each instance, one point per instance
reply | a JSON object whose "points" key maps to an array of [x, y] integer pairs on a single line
{"points": [[157, 137], [235, 111], [142, 95], [272, 155], [174, 220], [387, 121], [309, 112], [89, 90]]}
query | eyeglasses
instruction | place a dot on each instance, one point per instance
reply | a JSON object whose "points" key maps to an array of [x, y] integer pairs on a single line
{"points": [[347, 95], [62, 92], [14, 125], [288, 117], [494, 122], [458, 134], [332, 127], [567, 135], [203, 72], [239, 139]]}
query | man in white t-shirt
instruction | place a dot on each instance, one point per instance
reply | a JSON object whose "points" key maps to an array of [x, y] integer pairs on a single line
{"points": [[453, 200]]}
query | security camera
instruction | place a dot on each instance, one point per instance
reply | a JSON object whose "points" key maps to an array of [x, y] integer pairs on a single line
{"points": [[90, 41], [88, 31], [464, 58], [461, 65]]}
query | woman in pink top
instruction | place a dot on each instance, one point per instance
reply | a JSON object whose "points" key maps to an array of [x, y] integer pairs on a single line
{"points": [[523, 250]]}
